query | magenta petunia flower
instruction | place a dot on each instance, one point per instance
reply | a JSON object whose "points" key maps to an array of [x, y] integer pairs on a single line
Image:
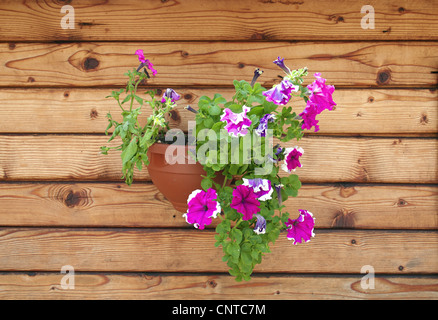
{"points": [[280, 94], [170, 93], [321, 94], [301, 228], [237, 123], [245, 201], [202, 207], [140, 55], [261, 187], [309, 117], [145, 62], [292, 159]]}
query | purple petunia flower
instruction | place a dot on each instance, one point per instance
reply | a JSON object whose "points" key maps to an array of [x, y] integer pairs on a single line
{"points": [[145, 62], [245, 201], [280, 62], [280, 94], [321, 94], [263, 126], [170, 93], [278, 189], [277, 153], [292, 159], [261, 187], [202, 207], [260, 227], [237, 123], [301, 228]]}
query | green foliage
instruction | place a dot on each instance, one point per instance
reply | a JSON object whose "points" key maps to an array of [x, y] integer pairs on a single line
{"points": [[136, 139], [242, 248]]}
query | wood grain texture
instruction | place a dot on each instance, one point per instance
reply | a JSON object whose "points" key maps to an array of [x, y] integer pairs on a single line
{"points": [[142, 205], [35, 286], [179, 250], [326, 159], [218, 20], [350, 64], [358, 111]]}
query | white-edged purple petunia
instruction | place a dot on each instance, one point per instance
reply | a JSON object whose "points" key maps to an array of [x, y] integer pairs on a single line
{"points": [[262, 188], [281, 93], [263, 126], [301, 228], [237, 123], [202, 207], [292, 159], [260, 226]]}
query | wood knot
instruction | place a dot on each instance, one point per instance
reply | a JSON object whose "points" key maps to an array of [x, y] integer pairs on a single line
{"points": [[212, 283], [30, 79], [184, 54], [90, 64], [346, 192], [424, 120], [11, 46], [174, 115], [344, 219], [401, 10], [188, 97], [241, 65], [371, 99], [383, 77], [401, 203], [73, 198], [94, 114], [66, 94], [258, 36], [336, 18]]}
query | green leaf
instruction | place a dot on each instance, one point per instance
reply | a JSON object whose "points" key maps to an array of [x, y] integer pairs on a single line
{"points": [[215, 110], [130, 151], [206, 184], [237, 235]]}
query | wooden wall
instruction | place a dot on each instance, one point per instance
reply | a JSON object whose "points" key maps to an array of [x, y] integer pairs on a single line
{"points": [[369, 175]]}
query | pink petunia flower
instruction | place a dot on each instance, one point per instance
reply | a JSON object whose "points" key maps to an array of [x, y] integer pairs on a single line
{"points": [[202, 207], [292, 159], [145, 62], [237, 123], [321, 94], [309, 117], [281, 93], [301, 228], [245, 201]]}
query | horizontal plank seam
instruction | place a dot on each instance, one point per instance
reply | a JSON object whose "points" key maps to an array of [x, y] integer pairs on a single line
{"points": [[32, 273], [287, 40], [307, 136], [149, 183], [190, 229]]}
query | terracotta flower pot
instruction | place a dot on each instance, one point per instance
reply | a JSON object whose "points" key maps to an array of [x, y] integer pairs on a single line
{"points": [[175, 181]]}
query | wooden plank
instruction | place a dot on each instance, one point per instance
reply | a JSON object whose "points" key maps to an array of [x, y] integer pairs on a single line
{"points": [[359, 111], [326, 159], [179, 250], [39, 286], [142, 205], [218, 20], [387, 64]]}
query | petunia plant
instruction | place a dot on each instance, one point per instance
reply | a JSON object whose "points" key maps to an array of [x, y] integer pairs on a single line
{"points": [[136, 139], [247, 142]]}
